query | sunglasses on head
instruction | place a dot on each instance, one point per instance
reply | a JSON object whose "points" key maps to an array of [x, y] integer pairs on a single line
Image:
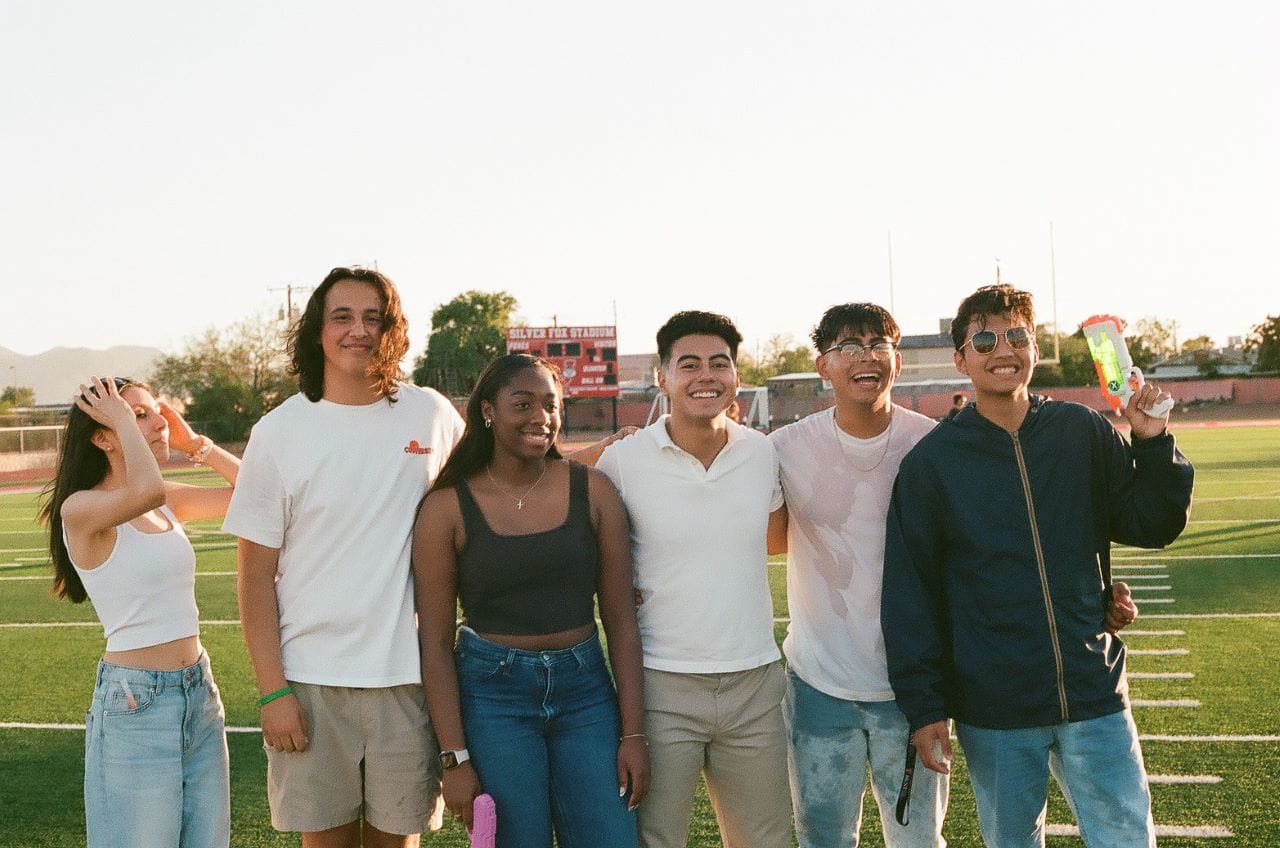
{"points": [[985, 341]]}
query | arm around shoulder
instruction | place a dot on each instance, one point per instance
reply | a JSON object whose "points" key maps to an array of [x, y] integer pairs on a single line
{"points": [[618, 614]]}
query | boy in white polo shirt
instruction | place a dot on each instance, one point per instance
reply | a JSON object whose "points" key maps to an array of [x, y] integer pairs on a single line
{"points": [[325, 504], [699, 490]]}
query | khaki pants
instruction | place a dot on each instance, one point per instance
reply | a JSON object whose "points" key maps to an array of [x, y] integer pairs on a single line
{"points": [[729, 728]]}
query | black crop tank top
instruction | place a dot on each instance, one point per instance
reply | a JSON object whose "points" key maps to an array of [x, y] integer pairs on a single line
{"points": [[532, 583]]}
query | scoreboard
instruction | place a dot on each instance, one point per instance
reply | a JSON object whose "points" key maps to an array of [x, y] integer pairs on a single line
{"points": [[586, 356]]}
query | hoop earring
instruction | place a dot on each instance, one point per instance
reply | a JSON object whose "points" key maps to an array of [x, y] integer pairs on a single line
{"points": [[488, 422]]}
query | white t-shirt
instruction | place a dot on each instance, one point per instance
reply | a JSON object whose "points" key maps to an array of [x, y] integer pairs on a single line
{"points": [[335, 489], [698, 540], [837, 489]]}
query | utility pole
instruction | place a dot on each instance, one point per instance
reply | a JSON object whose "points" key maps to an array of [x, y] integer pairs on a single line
{"points": [[288, 298], [1053, 280], [892, 310]]}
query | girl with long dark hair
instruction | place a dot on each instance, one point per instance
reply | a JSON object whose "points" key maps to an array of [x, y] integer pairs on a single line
{"points": [[155, 751], [521, 700]]}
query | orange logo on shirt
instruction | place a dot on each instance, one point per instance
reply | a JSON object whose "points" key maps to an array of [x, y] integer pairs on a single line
{"points": [[414, 447]]}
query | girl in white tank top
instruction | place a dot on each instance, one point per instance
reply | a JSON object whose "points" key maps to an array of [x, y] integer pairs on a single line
{"points": [[156, 769]]}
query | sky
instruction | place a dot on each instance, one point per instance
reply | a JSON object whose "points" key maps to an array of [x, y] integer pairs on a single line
{"points": [[169, 167]]}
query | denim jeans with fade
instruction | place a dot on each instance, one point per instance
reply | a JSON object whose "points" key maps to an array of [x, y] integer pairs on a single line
{"points": [[542, 730], [155, 765], [830, 744], [1097, 762]]}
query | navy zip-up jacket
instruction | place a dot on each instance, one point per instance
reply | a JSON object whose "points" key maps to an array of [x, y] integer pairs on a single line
{"points": [[997, 564]]}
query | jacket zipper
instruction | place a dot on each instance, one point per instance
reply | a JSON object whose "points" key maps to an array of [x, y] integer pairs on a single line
{"points": [[1044, 577]]}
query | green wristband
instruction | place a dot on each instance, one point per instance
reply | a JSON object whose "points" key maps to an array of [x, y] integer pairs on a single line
{"points": [[279, 693]]}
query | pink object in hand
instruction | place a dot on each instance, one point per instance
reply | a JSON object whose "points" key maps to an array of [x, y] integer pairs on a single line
{"points": [[484, 822]]}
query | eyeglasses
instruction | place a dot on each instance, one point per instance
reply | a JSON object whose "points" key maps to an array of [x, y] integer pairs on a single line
{"points": [[882, 349], [985, 341]]}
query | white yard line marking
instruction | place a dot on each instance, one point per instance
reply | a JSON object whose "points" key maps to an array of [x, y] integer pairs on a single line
{"points": [[1161, 675], [50, 576], [19, 625], [1119, 576], [1164, 737], [1136, 567], [1183, 778], [1239, 498], [1136, 586], [1234, 521], [1190, 556], [1158, 652], [1213, 615], [1155, 600], [1169, 703], [32, 725], [1128, 633], [784, 619], [1193, 831]]}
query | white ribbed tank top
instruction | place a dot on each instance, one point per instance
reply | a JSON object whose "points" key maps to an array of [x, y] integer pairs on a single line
{"points": [[144, 593]]}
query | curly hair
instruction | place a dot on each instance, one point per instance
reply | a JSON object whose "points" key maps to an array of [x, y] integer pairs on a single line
{"points": [[858, 317], [306, 356], [999, 299]]}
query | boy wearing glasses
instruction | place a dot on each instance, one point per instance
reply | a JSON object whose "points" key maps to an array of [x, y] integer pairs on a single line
{"points": [[996, 585], [837, 469]]}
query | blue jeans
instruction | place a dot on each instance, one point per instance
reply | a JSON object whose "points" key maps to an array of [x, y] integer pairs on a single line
{"points": [[830, 743], [155, 762], [1097, 762], [542, 729]]}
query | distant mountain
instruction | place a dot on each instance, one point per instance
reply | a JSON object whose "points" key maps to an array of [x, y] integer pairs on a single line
{"points": [[55, 373]]}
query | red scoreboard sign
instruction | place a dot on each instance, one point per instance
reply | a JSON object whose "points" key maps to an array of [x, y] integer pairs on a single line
{"points": [[586, 356]]}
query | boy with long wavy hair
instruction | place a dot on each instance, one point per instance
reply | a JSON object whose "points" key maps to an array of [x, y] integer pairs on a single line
{"points": [[329, 485]]}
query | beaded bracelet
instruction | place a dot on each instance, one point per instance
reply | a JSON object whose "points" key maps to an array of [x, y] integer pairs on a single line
{"points": [[279, 693]]}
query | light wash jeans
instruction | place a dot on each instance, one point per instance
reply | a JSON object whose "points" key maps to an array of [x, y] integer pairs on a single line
{"points": [[155, 763], [1097, 762], [542, 730], [830, 742]]}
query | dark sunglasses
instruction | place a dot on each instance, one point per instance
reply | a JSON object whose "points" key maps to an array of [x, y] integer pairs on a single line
{"points": [[985, 341]]}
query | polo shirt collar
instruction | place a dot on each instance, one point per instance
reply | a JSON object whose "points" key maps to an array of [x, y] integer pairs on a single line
{"points": [[662, 437]]}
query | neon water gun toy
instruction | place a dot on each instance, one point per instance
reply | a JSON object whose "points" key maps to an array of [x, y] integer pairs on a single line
{"points": [[484, 822], [1117, 374]]}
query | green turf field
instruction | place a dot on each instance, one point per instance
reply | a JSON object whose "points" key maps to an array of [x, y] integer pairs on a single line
{"points": [[1222, 625]]}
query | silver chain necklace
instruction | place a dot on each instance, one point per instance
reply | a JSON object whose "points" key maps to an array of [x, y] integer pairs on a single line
{"points": [[519, 500], [888, 437]]}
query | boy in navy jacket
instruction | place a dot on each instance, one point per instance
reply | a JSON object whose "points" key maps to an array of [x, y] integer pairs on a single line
{"points": [[996, 584]]}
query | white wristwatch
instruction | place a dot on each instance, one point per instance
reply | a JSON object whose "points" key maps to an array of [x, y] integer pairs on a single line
{"points": [[453, 759]]}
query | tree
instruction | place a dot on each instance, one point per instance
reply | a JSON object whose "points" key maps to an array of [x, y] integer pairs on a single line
{"points": [[467, 333], [1075, 365], [17, 396], [1265, 339], [1198, 343], [781, 356], [1155, 341], [229, 379]]}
